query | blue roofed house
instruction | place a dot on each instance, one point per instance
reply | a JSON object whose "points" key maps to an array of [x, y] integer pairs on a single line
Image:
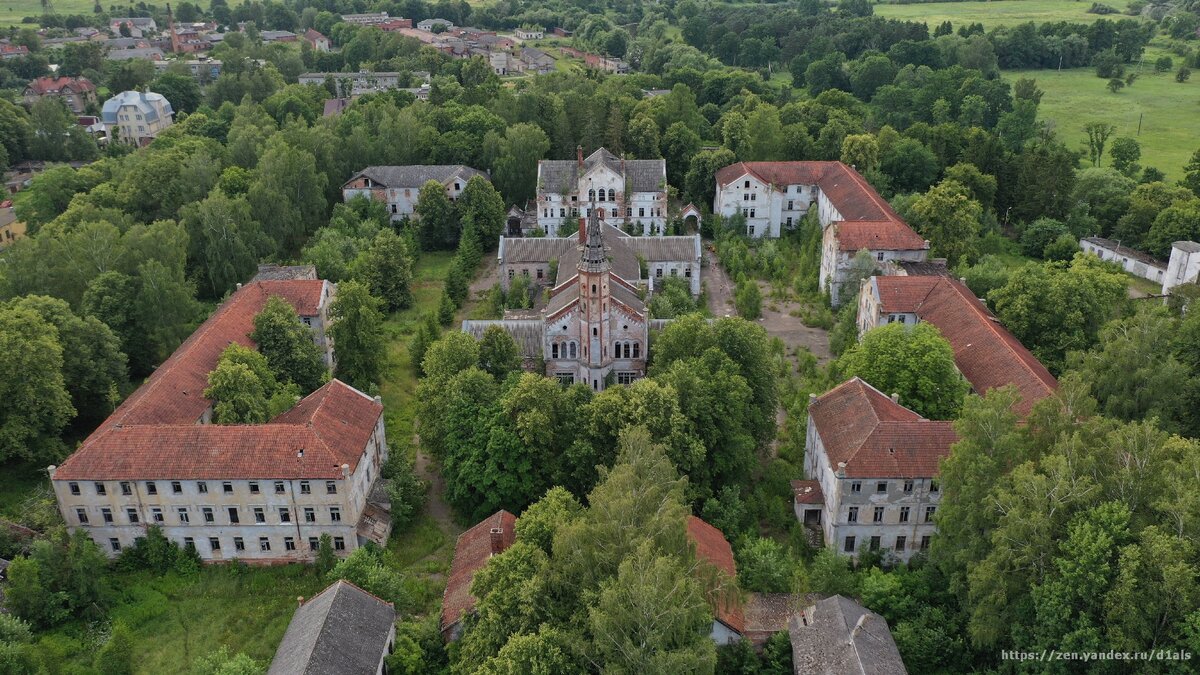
{"points": [[136, 117]]}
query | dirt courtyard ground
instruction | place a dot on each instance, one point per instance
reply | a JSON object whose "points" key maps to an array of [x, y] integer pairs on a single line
{"points": [[777, 322]]}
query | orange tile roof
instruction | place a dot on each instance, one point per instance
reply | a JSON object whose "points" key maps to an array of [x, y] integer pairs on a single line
{"points": [[807, 492], [471, 552], [868, 221], [46, 85], [985, 352], [155, 432], [712, 547], [875, 436]]}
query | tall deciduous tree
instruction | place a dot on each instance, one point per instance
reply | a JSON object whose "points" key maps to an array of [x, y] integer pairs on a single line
{"points": [[481, 210], [288, 346], [357, 333], [287, 195], [498, 353], [950, 219], [224, 241], [915, 362], [437, 224], [241, 387], [516, 166], [386, 268], [37, 404]]}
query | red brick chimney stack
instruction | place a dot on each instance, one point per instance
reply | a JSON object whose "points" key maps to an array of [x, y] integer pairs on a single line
{"points": [[579, 155], [497, 540], [582, 231]]}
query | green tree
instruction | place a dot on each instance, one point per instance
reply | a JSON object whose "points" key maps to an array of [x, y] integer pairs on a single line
{"points": [[516, 167], [1125, 153], [288, 194], [357, 332], [980, 186], [481, 210], [224, 241], [181, 91], [915, 362], [366, 568], [1179, 222], [1055, 308], [116, 656], [288, 346], [1098, 134], [538, 523], [910, 164], [861, 151], [386, 268], [223, 662], [949, 218], [498, 353], [763, 566], [437, 227], [37, 402], [643, 137], [240, 386], [546, 652], [679, 144], [748, 299], [700, 182]]}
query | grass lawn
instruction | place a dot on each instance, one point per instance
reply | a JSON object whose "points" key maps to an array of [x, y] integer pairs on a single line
{"points": [[399, 388], [12, 11], [1170, 116], [996, 13], [176, 619]]}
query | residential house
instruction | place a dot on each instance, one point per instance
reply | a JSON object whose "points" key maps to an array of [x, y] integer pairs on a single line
{"points": [[11, 51], [873, 468], [597, 61], [394, 25], [11, 229], [986, 354], [537, 61], [400, 186], [343, 630], [269, 36], [143, 53], [135, 26], [355, 84], [137, 116], [531, 33], [368, 19], [496, 533], [1134, 262], [1184, 267], [261, 493], [428, 24], [316, 40], [630, 193], [836, 636], [772, 196], [76, 92]]}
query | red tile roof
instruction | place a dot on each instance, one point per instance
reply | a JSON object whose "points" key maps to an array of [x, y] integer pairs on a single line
{"points": [[47, 85], [712, 547], [875, 436], [984, 351], [471, 553], [807, 492], [155, 432], [867, 220], [331, 426]]}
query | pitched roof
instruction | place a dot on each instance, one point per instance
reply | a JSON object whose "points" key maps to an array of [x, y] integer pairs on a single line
{"points": [[527, 333], [1187, 246], [841, 637], [155, 432], [641, 175], [867, 220], [471, 552], [807, 492], [875, 436], [985, 352], [52, 85], [712, 547], [343, 630], [312, 35], [1121, 250], [148, 103], [416, 175]]}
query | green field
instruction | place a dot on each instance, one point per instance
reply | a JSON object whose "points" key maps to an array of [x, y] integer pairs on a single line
{"points": [[1169, 111], [998, 13]]}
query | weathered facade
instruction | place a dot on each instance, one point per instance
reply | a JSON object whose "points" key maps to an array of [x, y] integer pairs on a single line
{"points": [[876, 464], [1132, 261], [594, 328], [137, 116], [343, 630], [400, 186], [836, 636], [1184, 267], [630, 193], [76, 93], [255, 492], [773, 196]]}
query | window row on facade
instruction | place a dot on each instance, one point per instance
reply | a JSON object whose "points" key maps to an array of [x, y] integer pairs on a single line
{"points": [[238, 544], [207, 515], [908, 485], [125, 487], [904, 514], [850, 543]]}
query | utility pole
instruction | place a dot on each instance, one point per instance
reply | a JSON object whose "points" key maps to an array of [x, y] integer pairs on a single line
{"points": [[1140, 116]]}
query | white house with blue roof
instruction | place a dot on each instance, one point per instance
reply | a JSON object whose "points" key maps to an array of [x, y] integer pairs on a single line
{"points": [[136, 117]]}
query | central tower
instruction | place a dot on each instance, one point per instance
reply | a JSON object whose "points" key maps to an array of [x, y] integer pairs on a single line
{"points": [[594, 295]]}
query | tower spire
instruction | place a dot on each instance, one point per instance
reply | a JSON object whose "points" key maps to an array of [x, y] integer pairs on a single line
{"points": [[595, 254]]}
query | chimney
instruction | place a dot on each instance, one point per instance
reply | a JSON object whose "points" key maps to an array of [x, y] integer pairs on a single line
{"points": [[926, 243], [300, 454], [579, 155], [895, 398], [497, 535], [50, 470], [300, 601], [811, 397], [841, 470], [379, 399], [345, 471]]}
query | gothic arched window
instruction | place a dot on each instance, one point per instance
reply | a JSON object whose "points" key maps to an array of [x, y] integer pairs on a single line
{"points": [[637, 348], [591, 195], [573, 350]]}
